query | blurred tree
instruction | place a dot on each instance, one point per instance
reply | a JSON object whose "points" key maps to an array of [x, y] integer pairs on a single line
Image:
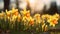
{"points": [[28, 5], [6, 4], [53, 9], [17, 3]]}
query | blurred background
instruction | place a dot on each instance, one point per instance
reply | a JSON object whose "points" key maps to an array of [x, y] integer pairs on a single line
{"points": [[36, 6]]}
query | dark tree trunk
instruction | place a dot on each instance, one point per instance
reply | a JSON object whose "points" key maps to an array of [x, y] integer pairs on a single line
{"points": [[6, 4], [17, 3], [28, 5], [53, 9]]}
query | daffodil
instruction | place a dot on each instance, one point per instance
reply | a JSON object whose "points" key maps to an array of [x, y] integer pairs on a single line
{"points": [[46, 16], [25, 12], [19, 18], [53, 21], [37, 18], [28, 20], [31, 21], [56, 16], [8, 14], [25, 18], [14, 18], [2, 15], [26, 15], [13, 10], [16, 13], [43, 16]]}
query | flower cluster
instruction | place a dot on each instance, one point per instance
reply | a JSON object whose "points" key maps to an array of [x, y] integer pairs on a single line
{"points": [[23, 20]]}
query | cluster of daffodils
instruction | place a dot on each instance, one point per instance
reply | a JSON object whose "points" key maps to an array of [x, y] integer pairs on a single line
{"points": [[24, 21]]}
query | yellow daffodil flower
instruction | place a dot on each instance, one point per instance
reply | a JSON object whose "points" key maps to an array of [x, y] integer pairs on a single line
{"points": [[46, 16], [56, 16], [37, 18], [14, 18], [31, 21], [25, 18], [8, 13], [2, 15], [53, 21], [25, 12], [19, 18], [13, 10]]}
